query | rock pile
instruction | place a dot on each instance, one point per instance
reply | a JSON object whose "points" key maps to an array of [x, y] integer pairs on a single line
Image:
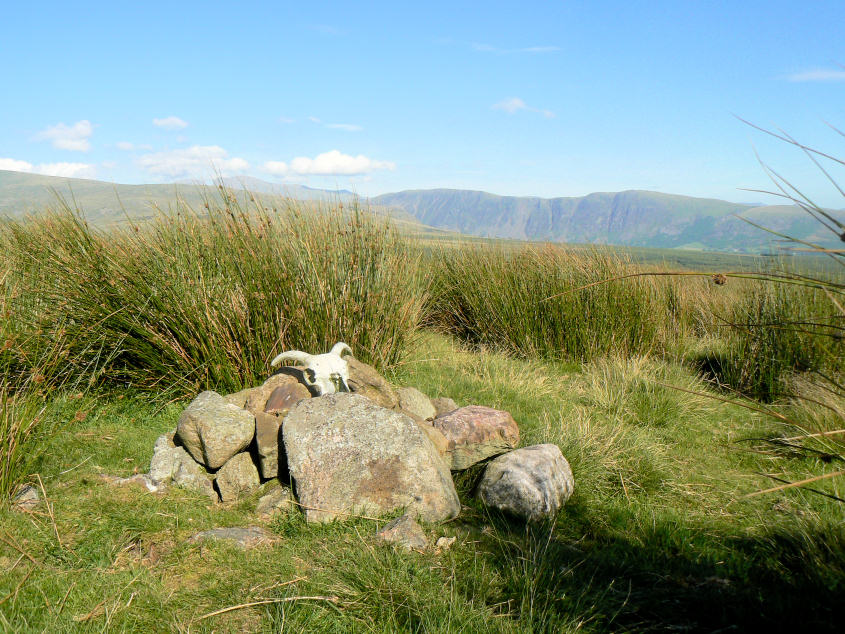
{"points": [[373, 451]]}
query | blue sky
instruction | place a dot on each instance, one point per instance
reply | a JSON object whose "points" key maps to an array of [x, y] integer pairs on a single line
{"points": [[545, 98]]}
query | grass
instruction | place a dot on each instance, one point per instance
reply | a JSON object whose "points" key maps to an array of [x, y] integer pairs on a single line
{"points": [[657, 535], [665, 530], [190, 302]]}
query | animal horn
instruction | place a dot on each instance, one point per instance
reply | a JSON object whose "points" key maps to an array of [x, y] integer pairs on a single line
{"points": [[291, 355], [339, 349]]}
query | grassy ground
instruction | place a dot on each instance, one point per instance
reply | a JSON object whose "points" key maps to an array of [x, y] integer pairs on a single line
{"points": [[657, 536]]}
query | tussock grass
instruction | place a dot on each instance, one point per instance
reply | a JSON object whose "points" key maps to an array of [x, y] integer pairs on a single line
{"points": [[522, 301], [192, 301]]}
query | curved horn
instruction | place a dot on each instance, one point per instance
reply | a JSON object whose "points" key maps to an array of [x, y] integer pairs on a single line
{"points": [[340, 347], [291, 355]]}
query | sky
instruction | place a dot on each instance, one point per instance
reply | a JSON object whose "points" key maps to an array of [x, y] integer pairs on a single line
{"points": [[530, 98]]}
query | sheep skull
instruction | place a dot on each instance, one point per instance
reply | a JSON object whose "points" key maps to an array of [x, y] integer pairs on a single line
{"points": [[326, 373]]}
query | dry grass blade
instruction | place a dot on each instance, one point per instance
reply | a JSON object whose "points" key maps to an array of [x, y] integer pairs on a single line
{"points": [[330, 599], [792, 485]]}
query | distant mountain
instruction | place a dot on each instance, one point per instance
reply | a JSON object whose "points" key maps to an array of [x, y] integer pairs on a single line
{"points": [[632, 218], [110, 203]]}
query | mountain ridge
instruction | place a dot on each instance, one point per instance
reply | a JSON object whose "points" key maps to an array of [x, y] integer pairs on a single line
{"points": [[627, 218]]}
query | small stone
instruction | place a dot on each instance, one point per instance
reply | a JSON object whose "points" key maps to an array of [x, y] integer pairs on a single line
{"points": [[284, 397], [475, 433], [444, 543], [241, 536], [366, 381], [257, 400], [213, 431], [139, 480], [268, 439], [532, 483], [191, 475], [173, 464], [238, 399], [237, 478], [25, 497], [276, 500], [443, 405], [437, 439], [404, 531], [415, 402]]}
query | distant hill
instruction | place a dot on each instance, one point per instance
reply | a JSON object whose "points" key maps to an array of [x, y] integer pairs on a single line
{"points": [[629, 218], [632, 218]]}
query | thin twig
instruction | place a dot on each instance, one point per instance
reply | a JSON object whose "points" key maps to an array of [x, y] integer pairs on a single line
{"points": [[795, 484], [49, 510], [330, 599]]}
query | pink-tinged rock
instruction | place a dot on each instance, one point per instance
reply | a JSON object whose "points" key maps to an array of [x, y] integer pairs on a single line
{"points": [[258, 396], [475, 433]]}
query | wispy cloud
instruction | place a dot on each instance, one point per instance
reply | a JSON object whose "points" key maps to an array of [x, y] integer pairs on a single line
{"points": [[329, 163], [126, 146], [349, 127], [512, 105], [286, 120], [818, 75], [487, 48], [68, 170], [198, 161], [68, 137], [170, 123]]}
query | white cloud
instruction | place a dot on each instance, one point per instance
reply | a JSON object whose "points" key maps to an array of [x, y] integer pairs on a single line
{"points": [[198, 161], [170, 123], [314, 120], [125, 145], [328, 163], [512, 105], [285, 120], [349, 127], [68, 137], [13, 165], [818, 74], [69, 170]]}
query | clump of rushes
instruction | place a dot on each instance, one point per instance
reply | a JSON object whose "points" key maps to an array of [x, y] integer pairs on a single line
{"points": [[193, 301], [545, 301]]}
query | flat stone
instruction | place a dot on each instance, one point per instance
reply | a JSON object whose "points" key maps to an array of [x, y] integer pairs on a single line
{"points": [[366, 381], [443, 405], [25, 497], [475, 433], [238, 399], [404, 531], [213, 431], [284, 397], [532, 483], [237, 478], [242, 536], [347, 455], [415, 402], [268, 440], [276, 500], [140, 481]]}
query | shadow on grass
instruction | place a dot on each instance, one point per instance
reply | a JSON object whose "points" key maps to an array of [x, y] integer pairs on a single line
{"points": [[668, 577]]}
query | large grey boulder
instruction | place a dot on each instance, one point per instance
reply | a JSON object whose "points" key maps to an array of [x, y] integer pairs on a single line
{"points": [[173, 465], [416, 403], [531, 483], [475, 433], [238, 477], [366, 381], [347, 455], [212, 430]]}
